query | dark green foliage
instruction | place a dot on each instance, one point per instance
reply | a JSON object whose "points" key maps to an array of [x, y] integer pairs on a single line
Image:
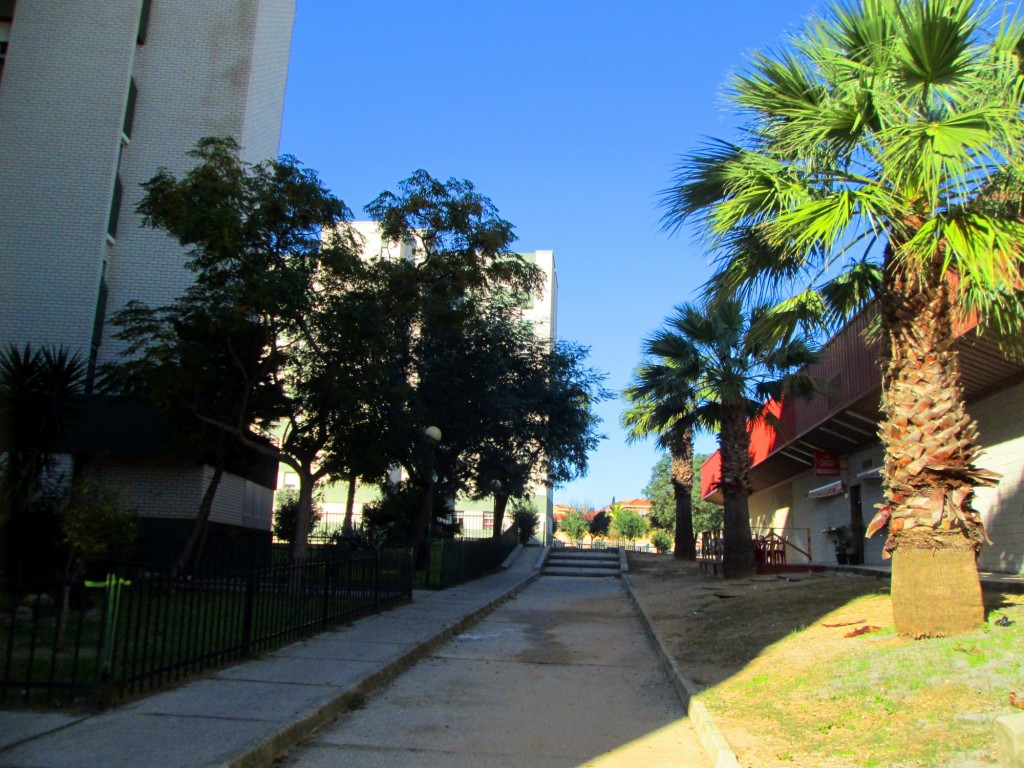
{"points": [[285, 511], [661, 539], [97, 530], [575, 526], [526, 519], [705, 514], [658, 491], [38, 401], [628, 525], [600, 524]]}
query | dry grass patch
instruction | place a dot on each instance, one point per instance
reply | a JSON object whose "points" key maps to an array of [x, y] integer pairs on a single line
{"points": [[790, 692]]}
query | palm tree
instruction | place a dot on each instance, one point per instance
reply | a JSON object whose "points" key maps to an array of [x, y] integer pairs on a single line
{"points": [[733, 373], [882, 159], [661, 402], [38, 388]]}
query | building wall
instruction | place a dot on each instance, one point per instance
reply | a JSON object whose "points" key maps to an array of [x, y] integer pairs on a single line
{"points": [[62, 100], [206, 69], [213, 68], [1001, 427], [1000, 420]]}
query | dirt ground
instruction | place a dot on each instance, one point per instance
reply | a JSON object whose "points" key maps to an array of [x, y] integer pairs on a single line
{"points": [[787, 690]]}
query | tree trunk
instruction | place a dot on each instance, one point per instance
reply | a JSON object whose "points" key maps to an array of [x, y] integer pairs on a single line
{"points": [[738, 557], [949, 605], [681, 449], [500, 504], [350, 503], [301, 539], [192, 550], [930, 447]]}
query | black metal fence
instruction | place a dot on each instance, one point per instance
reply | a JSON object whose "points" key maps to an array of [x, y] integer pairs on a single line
{"points": [[452, 561], [89, 642]]}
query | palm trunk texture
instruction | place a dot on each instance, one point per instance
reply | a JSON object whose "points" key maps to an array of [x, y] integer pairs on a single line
{"points": [[930, 447], [681, 450], [738, 558]]}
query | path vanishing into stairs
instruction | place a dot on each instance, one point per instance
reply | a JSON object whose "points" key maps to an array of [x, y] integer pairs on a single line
{"points": [[562, 675]]}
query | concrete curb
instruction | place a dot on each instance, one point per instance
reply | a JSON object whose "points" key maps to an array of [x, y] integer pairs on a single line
{"points": [[507, 563], [710, 736], [542, 559], [277, 742]]}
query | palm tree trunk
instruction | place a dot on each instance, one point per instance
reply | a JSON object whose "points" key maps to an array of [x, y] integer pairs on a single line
{"points": [[681, 449], [930, 447], [738, 558]]}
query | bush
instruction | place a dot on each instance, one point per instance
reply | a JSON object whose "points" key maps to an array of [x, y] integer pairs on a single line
{"points": [[662, 539], [286, 511], [526, 519], [96, 529]]}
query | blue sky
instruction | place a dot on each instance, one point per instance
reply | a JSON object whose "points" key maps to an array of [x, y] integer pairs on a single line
{"points": [[569, 116]]}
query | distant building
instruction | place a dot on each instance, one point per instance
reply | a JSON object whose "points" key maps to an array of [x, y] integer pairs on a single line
{"points": [[95, 97]]}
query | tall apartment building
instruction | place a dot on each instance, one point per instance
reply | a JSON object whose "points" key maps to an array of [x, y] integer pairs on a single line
{"points": [[95, 96]]}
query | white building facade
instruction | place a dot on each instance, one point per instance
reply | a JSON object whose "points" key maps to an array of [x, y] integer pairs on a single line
{"points": [[95, 97]]}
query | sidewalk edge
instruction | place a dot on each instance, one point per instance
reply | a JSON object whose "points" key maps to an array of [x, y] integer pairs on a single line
{"points": [[711, 738], [287, 737]]}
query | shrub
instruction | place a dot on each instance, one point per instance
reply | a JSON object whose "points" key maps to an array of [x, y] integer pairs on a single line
{"points": [[662, 539], [286, 510], [526, 519]]}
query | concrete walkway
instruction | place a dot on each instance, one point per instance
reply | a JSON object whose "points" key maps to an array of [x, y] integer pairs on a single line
{"points": [[561, 676], [248, 714]]}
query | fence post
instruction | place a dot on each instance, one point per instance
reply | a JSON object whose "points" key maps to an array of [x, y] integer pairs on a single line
{"points": [[376, 581], [325, 599], [250, 608]]}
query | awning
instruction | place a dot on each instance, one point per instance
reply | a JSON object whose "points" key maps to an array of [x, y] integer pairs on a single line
{"points": [[832, 489], [870, 474]]}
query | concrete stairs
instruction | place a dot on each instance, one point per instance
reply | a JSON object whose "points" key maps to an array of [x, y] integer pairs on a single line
{"points": [[568, 561]]}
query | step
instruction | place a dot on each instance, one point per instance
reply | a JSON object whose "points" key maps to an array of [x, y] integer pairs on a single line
{"points": [[611, 562], [565, 570]]}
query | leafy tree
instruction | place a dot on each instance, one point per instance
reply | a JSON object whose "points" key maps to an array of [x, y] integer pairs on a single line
{"points": [[893, 127], [734, 374], [575, 526], [247, 337], [38, 402], [543, 423], [705, 514], [658, 492], [627, 524], [600, 524], [466, 279]]}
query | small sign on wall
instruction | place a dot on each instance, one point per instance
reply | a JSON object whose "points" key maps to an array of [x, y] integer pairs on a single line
{"points": [[826, 464]]}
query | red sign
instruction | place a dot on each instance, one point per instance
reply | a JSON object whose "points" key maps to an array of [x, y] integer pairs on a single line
{"points": [[826, 464]]}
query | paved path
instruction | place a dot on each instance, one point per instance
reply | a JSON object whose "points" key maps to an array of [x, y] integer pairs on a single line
{"points": [[562, 675]]}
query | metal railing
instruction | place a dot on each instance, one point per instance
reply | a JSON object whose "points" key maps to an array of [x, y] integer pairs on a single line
{"points": [[89, 642], [452, 561]]}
